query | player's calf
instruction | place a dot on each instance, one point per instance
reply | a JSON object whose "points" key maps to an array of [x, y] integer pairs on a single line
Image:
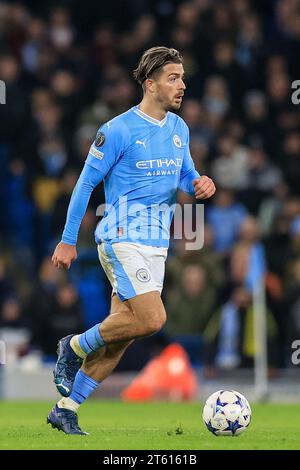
{"points": [[101, 364]]}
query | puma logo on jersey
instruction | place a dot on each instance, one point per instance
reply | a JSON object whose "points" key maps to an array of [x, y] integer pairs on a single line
{"points": [[141, 142]]}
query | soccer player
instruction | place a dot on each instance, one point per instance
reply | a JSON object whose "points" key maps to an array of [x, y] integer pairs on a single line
{"points": [[143, 158]]}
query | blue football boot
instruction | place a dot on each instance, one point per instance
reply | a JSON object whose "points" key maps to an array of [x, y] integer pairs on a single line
{"points": [[67, 366], [65, 420]]}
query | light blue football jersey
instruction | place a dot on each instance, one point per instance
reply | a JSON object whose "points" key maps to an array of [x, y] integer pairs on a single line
{"points": [[143, 162]]}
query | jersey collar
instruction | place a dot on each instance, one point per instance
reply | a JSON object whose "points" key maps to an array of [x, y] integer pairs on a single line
{"points": [[149, 118]]}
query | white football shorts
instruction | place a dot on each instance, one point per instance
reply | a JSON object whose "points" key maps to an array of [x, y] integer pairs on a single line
{"points": [[132, 268]]}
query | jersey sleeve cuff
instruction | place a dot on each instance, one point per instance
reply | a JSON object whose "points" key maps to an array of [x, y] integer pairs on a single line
{"points": [[68, 241]]}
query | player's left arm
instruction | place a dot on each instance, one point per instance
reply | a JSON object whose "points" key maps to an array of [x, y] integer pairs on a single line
{"points": [[191, 182]]}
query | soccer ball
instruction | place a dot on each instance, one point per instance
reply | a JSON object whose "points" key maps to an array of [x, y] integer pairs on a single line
{"points": [[227, 413]]}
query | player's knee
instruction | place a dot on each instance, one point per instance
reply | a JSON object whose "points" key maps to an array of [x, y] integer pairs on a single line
{"points": [[155, 322]]}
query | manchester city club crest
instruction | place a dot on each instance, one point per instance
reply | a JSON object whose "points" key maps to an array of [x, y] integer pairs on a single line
{"points": [[143, 275], [100, 139], [177, 140]]}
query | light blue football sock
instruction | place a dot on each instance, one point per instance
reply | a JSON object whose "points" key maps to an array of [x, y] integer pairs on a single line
{"points": [[91, 340], [83, 387]]}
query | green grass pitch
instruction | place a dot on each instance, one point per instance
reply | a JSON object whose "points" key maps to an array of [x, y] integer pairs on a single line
{"points": [[115, 425]]}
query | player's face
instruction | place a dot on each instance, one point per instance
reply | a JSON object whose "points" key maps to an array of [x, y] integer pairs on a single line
{"points": [[169, 87]]}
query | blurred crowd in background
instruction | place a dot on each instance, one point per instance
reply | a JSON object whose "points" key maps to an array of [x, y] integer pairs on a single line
{"points": [[68, 67]]}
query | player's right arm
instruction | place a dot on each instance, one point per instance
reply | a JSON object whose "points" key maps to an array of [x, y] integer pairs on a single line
{"points": [[65, 252], [103, 154]]}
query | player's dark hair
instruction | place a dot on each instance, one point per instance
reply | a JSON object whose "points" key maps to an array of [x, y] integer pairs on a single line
{"points": [[153, 60]]}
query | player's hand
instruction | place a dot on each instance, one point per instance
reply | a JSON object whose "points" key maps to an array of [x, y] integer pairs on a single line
{"points": [[64, 255], [204, 187]]}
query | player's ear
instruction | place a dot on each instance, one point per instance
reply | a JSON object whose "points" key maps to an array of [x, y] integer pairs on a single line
{"points": [[149, 85]]}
